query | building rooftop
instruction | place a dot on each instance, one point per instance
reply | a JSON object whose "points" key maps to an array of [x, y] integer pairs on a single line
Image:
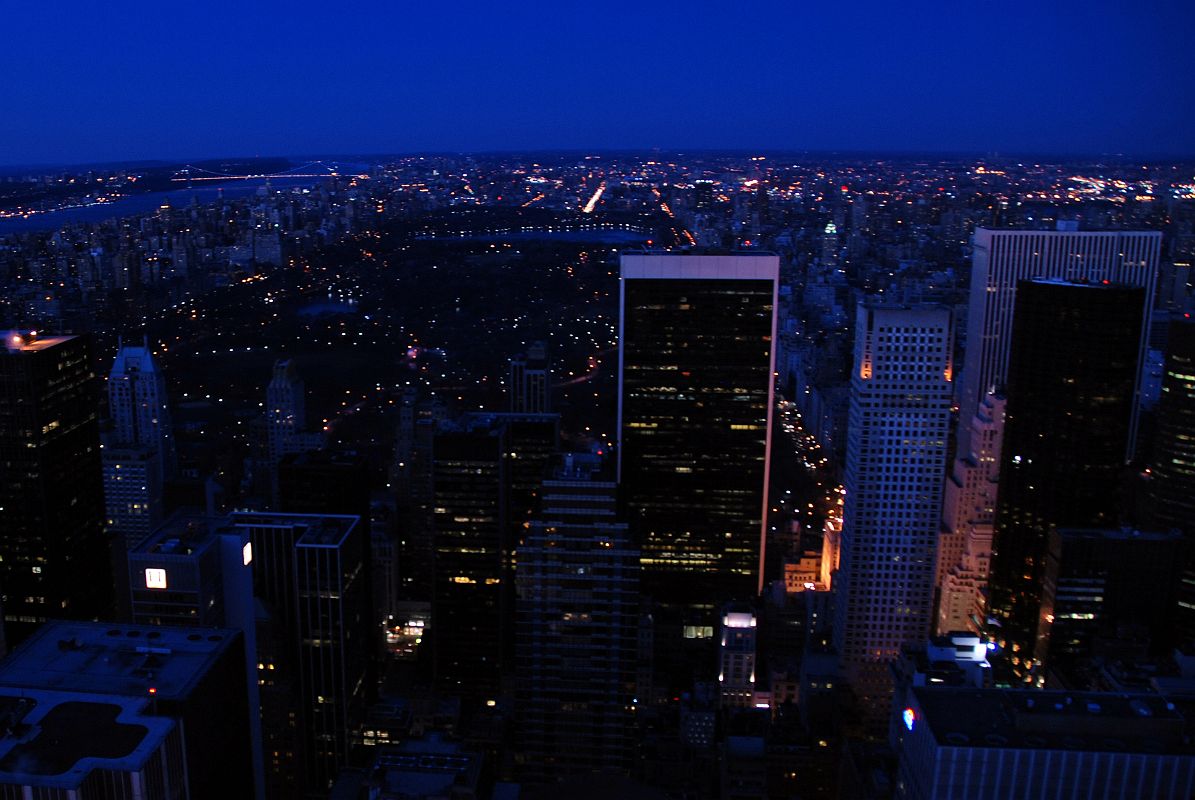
{"points": [[1120, 534], [1051, 720], [425, 768], [115, 659], [181, 535], [134, 359], [1078, 283], [320, 530], [751, 265], [56, 739], [30, 342]]}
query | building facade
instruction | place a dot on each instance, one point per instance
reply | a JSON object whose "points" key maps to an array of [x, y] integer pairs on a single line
{"points": [[1003, 258], [54, 558], [695, 409], [577, 628], [1072, 369], [901, 389]]}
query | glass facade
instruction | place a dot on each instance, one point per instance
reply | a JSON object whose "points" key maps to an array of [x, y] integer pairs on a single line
{"points": [[696, 389], [1072, 369]]}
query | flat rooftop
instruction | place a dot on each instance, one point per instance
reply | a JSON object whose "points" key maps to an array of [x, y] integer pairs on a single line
{"points": [[318, 530], [181, 535], [682, 266], [56, 739], [115, 659], [22, 342], [1051, 720]]}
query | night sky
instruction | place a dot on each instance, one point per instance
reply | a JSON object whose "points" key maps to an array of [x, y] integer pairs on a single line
{"points": [[82, 80]]}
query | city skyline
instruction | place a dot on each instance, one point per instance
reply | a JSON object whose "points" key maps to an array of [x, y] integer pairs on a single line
{"points": [[680, 401], [868, 77]]}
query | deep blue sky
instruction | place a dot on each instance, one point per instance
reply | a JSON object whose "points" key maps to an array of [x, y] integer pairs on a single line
{"points": [[91, 80]]}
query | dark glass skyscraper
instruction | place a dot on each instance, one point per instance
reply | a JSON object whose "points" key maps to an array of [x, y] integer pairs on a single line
{"points": [[695, 406], [309, 570], [1172, 468], [469, 514], [1172, 486], [577, 623], [54, 560], [1072, 369]]}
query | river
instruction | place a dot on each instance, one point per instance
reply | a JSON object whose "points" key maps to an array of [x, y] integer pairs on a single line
{"points": [[139, 204]]}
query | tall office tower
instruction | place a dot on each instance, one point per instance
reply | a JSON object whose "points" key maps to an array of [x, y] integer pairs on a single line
{"points": [[196, 571], [309, 569], [286, 413], [530, 381], [101, 691], [469, 520], [54, 558], [736, 658], [577, 630], [132, 491], [830, 245], [137, 404], [1172, 466], [896, 454], [1071, 372], [1093, 603], [1002, 258], [412, 479], [324, 482], [703, 195], [696, 359], [969, 510]]}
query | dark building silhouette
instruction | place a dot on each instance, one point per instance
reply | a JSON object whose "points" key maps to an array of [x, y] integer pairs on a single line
{"points": [[695, 409], [695, 397], [412, 480], [530, 381], [323, 482], [487, 473], [1092, 598], [198, 571], [577, 629], [1172, 468], [469, 515], [54, 559], [1072, 369], [309, 570], [98, 675]]}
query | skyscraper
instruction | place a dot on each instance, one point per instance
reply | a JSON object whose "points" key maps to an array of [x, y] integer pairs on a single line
{"points": [[137, 404], [469, 519], [54, 559], [309, 569], [530, 381], [896, 453], [696, 359], [969, 503], [132, 492], [1172, 467], [286, 413], [1092, 596], [1172, 464], [1072, 368], [577, 628], [736, 658], [198, 572], [1002, 258]]}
